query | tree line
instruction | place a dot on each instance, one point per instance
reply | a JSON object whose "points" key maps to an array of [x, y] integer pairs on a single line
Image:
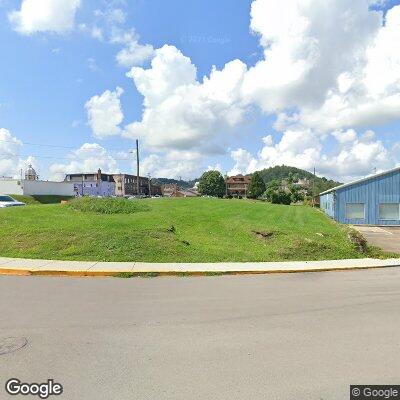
{"points": [[277, 185]]}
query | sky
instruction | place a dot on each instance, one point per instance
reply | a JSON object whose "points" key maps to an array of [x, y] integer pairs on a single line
{"points": [[236, 86]]}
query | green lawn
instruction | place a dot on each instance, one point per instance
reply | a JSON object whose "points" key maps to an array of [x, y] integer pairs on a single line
{"points": [[38, 199], [175, 230]]}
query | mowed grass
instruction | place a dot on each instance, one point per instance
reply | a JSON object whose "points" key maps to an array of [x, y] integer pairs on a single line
{"points": [[175, 230], [36, 199]]}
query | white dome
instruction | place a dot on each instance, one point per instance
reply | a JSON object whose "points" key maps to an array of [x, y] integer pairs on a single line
{"points": [[30, 174]]}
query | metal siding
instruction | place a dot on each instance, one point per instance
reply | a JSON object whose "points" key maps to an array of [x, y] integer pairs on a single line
{"points": [[383, 189], [327, 204]]}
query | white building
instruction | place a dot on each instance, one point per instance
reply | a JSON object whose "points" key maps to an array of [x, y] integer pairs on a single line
{"points": [[36, 188], [32, 186]]}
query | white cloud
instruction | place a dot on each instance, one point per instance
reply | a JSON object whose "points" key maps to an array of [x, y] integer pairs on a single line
{"points": [[328, 67], [97, 33], [56, 16], [353, 156], [345, 137], [10, 161], [173, 164], [88, 158], [92, 64], [307, 45], [112, 16], [133, 53], [181, 112], [105, 113], [363, 83]]}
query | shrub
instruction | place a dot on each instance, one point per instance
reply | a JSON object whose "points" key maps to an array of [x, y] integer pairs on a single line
{"points": [[108, 205], [280, 197]]}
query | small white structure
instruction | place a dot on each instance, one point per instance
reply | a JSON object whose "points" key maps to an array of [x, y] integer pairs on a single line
{"points": [[36, 187], [30, 174]]}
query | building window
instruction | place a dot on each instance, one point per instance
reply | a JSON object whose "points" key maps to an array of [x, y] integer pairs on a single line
{"points": [[355, 211], [389, 211]]}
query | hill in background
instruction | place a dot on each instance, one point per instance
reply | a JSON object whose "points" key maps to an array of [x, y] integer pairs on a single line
{"points": [[181, 183], [281, 172]]}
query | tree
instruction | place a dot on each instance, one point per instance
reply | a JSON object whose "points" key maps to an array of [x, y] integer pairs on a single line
{"points": [[295, 194], [256, 187], [212, 183], [272, 187]]}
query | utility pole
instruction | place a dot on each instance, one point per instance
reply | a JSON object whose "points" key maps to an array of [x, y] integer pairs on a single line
{"points": [[22, 181], [313, 190], [149, 177], [137, 166]]}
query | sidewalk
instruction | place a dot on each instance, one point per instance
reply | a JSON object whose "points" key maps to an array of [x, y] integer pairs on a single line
{"points": [[16, 266]]}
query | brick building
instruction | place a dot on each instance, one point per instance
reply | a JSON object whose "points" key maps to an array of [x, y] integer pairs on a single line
{"points": [[126, 185], [237, 185]]}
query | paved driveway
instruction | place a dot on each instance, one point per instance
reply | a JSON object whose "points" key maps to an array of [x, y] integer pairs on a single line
{"points": [[266, 337], [387, 238]]}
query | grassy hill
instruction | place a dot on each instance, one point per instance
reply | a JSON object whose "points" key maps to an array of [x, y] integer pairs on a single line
{"points": [[173, 230]]}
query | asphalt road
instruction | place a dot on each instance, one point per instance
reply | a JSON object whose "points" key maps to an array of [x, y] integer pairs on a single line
{"points": [[294, 336]]}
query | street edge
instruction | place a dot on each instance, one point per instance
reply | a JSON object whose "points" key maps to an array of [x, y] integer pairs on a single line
{"points": [[138, 274]]}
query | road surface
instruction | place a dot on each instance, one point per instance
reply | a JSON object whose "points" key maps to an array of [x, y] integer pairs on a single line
{"points": [[385, 237], [290, 336]]}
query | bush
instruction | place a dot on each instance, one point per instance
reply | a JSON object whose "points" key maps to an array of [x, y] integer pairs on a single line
{"points": [[108, 205], [280, 197]]}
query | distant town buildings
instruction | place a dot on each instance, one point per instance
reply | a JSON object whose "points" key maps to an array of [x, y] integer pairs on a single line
{"points": [[173, 190], [92, 184], [237, 185], [126, 185], [106, 185]]}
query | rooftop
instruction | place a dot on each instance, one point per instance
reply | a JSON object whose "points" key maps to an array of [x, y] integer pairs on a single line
{"points": [[367, 178]]}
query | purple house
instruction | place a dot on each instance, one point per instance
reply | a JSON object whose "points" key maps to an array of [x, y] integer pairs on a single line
{"points": [[92, 184]]}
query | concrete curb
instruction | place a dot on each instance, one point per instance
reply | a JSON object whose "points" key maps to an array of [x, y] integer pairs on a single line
{"points": [[25, 267]]}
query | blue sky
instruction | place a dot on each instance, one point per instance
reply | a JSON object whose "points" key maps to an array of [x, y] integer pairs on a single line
{"points": [[276, 101]]}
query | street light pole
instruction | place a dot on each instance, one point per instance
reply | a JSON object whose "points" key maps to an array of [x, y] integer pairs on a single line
{"points": [[137, 166], [149, 177]]}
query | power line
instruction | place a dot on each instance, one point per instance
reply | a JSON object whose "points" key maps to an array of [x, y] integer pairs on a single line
{"points": [[64, 158], [52, 145]]}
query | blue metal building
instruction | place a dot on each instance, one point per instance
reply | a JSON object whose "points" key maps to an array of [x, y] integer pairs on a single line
{"points": [[374, 200]]}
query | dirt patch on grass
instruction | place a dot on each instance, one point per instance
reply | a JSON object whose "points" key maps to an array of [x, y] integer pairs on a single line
{"points": [[358, 240], [308, 247], [263, 234]]}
